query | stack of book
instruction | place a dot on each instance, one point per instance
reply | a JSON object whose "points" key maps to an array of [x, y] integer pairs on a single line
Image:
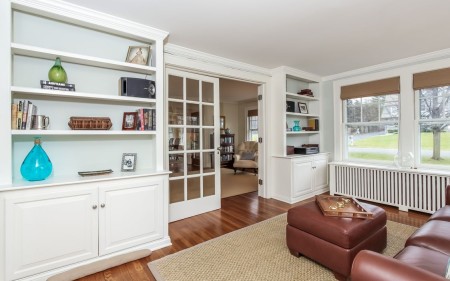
{"points": [[146, 120], [57, 86], [21, 113], [306, 92]]}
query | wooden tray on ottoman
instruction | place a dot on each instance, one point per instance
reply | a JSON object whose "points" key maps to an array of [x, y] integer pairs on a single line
{"points": [[342, 206], [90, 123]]}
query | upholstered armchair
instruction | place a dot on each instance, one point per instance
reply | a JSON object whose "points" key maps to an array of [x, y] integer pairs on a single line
{"points": [[246, 156]]}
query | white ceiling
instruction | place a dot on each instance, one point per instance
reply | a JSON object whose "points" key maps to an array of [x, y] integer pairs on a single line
{"points": [[323, 37]]}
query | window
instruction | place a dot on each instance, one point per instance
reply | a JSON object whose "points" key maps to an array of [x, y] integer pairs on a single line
{"points": [[252, 125], [434, 125], [371, 127]]}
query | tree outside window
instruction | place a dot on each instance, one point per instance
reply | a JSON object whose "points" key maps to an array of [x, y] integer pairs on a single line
{"points": [[434, 124], [252, 125]]}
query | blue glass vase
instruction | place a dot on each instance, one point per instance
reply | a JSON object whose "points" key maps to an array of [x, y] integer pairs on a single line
{"points": [[36, 166], [296, 127]]}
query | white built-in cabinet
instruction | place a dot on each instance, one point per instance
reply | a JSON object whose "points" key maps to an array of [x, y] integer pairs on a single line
{"points": [[52, 227], [300, 177], [67, 220]]}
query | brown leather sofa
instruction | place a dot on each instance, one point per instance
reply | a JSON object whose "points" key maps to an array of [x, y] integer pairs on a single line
{"points": [[425, 256]]}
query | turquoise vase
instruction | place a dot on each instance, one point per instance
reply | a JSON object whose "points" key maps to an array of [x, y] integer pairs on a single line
{"points": [[296, 127], [57, 72], [36, 166]]}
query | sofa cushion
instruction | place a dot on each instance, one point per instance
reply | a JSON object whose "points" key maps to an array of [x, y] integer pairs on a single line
{"points": [[424, 258], [443, 214], [434, 235], [248, 155]]}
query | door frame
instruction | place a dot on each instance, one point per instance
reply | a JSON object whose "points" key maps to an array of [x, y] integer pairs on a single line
{"points": [[176, 57]]}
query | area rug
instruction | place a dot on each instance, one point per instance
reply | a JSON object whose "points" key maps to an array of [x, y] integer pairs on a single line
{"points": [[257, 252], [239, 183]]}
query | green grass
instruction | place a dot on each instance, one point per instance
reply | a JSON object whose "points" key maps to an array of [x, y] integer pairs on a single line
{"points": [[391, 141], [371, 156]]}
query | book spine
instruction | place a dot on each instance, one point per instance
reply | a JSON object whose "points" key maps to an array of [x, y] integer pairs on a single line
{"points": [[154, 119], [14, 109], [59, 88], [31, 112], [65, 85], [24, 114], [147, 123]]}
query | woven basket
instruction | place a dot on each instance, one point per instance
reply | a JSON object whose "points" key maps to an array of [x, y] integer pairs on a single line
{"points": [[90, 123]]}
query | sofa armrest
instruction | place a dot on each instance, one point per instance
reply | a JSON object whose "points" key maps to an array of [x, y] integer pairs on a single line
{"points": [[447, 195], [237, 157], [372, 266]]}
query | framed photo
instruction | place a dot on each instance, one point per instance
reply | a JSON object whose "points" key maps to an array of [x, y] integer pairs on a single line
{"points": [[139, 54], [290, 106], [222, 122], [129, 121], [302, 107], [129, 162]]}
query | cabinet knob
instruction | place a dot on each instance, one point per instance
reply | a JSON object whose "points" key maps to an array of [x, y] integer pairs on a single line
{"points": [[94, 207], [103, 205]]}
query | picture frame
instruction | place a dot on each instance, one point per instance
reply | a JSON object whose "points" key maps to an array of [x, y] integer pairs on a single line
{"points": [[290, 106], [139, 54], [222, 122], [129, 162], [302, 108], [129, 121]]}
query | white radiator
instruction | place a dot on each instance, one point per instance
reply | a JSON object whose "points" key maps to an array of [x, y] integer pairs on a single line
{"points": [[406, 189]]}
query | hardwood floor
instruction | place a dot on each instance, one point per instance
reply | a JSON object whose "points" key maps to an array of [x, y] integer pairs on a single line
{"points": [[236, 212]]}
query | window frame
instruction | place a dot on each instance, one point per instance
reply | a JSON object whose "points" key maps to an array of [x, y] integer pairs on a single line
{"points": [[417, 131], [346, 124]]}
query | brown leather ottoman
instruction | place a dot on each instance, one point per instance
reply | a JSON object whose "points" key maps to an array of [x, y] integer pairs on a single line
{"points": [[334, 241]]}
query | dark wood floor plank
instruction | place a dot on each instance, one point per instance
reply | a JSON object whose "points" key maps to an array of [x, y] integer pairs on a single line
{"points": [[236, 212]]}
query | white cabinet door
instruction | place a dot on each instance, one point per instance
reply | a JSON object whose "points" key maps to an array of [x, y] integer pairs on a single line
{"points": [[320, 172], [49, 229], [130, 215], [302, 176]]}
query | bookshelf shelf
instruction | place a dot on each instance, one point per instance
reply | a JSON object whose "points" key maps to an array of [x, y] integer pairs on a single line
{"points": [[300, 97], [43, 53], [301, 115], [79, 133], [78, 95], [302, 133]]}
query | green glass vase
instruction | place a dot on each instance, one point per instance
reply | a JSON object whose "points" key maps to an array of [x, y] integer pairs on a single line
{"points": [[57, 72]]}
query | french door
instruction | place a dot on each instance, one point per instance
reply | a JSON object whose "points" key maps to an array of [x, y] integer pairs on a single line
{"points": [[193, 140]]}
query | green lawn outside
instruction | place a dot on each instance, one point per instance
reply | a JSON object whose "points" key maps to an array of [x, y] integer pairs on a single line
{"points": [[391, 141]]}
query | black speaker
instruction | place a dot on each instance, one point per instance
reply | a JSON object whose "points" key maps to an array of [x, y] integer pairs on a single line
{"points": [[136, 87]]}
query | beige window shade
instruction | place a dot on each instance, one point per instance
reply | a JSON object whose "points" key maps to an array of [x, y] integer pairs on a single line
{"points": [[372, 88], [431, 79], [253, 112]]}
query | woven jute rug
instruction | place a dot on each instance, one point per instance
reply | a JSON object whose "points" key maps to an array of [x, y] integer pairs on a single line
{"points": [[257, 252]]}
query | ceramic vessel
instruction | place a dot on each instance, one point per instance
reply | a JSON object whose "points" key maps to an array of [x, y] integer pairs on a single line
{"points": [[57, 72]]}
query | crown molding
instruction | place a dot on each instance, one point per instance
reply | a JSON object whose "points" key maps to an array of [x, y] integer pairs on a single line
{"points": [[445, 53], [78, 15], [191, 54], [297, 73]]}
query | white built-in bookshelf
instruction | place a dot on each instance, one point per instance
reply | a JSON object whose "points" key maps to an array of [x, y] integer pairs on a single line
{"points": [[93, 56]]}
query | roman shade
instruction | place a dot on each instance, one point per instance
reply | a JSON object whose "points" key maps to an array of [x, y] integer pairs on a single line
{"points": [[253, 112], [431, 79], [372, 88]]}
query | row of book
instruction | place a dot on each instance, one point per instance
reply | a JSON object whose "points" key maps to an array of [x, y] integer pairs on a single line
{"points": [[146, 119], [57, 86], [21, 113]]}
